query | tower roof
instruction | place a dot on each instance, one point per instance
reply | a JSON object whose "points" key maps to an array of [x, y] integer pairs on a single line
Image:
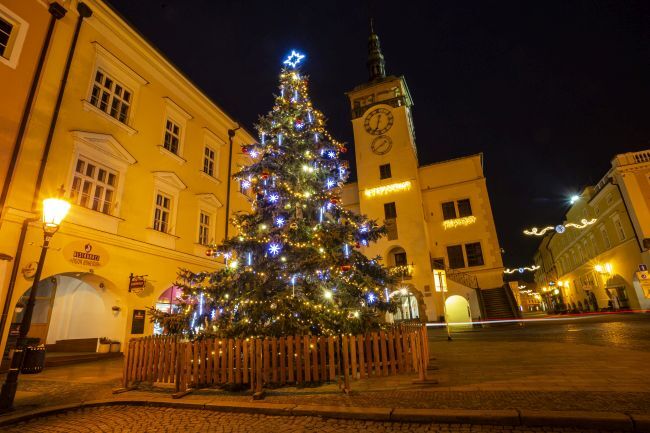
{"points": [[376, 64]]}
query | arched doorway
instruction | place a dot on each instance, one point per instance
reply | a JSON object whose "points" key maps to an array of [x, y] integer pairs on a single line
{"points": [[458, 312], [73, 306], [410, 304]]}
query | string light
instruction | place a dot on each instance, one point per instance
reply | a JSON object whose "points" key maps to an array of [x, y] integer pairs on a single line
{"points": [[459, 222], [560, 228], [387, 189], [521, 270]]}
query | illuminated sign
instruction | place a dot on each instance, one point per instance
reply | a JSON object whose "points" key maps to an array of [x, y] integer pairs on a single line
{"points": [[387, 189], [459, 222]]}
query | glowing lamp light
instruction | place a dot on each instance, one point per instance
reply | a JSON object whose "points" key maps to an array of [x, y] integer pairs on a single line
{"points": [[608, 268], [560, 228], [574, 198], [327, 294], [54, 210], [279, 221], [293, 59], [459, 222], [599, 268], [233, 264], [273, 198], [522, 269], [331, 154], [387, 189]]}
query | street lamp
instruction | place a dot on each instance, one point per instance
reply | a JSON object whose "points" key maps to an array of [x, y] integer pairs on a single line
{"points": [[54, 211]]}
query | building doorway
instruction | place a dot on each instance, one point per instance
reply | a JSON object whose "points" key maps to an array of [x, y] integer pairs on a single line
{"points": [[73, 306], [407, 305], [458, 312]]}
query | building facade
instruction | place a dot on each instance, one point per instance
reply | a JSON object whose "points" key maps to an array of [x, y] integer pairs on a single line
{"points": [[604, 265], [442, 242], [143, 156]]}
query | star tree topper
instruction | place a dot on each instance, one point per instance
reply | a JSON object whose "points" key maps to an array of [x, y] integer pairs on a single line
{"points": [[293, 59]]}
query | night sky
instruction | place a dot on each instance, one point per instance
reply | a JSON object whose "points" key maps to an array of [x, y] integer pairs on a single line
{"points": [[549, 91]]}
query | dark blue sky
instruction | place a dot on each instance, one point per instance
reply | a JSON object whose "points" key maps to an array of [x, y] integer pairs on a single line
{"points": [[549, 91]]}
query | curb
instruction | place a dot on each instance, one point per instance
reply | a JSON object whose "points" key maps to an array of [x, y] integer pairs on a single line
{"points": [[591, 420]]}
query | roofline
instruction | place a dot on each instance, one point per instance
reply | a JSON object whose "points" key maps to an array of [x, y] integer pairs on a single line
{"points": [[480, 155], [110, 9]]}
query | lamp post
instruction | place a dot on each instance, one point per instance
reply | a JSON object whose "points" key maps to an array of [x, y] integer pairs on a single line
{"points": [[54, 210]]}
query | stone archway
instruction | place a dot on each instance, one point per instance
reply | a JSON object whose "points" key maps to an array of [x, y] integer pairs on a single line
{"points": [[458, 312]]}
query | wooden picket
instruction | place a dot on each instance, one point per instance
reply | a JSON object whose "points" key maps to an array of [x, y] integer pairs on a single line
{"points": [[291, 360]]}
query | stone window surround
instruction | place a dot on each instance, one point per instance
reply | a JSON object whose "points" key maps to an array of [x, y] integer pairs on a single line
{"points": [[17, 37]]}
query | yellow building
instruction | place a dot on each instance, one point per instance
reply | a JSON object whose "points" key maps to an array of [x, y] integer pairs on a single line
{"points": [[143, 156], [601, 266], [442, 240]]}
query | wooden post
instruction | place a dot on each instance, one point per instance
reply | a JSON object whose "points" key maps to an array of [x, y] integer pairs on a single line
{"points": [[346, 364]]}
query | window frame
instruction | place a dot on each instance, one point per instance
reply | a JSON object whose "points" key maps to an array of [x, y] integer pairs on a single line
{"points": [[16, 39], [618, 227], [469, 204], [387, 206], [385, 171], [95, 182], [467, 256], [208, 228], [163, 210], [445, 207], [607, 242], [462, 256], [170, 184]]}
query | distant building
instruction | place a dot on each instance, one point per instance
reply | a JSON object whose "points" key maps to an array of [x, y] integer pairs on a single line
{"points": [[441, 231], [143, 156], [602, 266]]}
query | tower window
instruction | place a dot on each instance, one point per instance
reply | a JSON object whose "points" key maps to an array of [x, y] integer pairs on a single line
{"points": [[448, 210], [390, 211], [384, 171], [455, 256], [464, 208], [474, 254]]}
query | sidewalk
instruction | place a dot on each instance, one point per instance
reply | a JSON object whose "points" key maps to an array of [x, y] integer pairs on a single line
{"points": [[476, 376]]}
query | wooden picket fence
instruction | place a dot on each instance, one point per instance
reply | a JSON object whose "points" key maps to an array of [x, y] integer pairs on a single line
{"points": [[292, 360]]}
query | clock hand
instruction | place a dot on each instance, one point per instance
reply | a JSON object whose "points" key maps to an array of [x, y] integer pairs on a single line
{"points": [[378, 120]]}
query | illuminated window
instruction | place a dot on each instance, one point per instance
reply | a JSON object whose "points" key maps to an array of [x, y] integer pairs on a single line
{"points": [[204, 228], [455, 256], [448, 210], [464, 208], [172, 136], [111, 97], [162, 213], [208, 161], [390, 211], [93, 186], [474, 254], [619, 228], [384, 171]]}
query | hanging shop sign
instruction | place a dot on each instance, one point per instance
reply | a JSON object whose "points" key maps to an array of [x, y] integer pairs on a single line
{"points": [[137, 283], [644, 282], [85, 254], [29, 270]]}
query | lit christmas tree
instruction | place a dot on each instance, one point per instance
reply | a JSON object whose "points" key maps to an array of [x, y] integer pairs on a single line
{"points": [[294, 267]]}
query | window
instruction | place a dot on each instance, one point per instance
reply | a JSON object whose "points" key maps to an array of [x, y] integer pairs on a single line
{"points": [[93, 186], [448, 210], [610, 198], [464, 208], [474, 254], [13, 31], [390, 212], [400, 259], [594, 247], [162, 213], [384, 171], [208, 161], [455, 256], [172, 136], [111, 97], [5, 33], [596, 210], [603, 233], [619, 227], [204, 228], [438, 263]]}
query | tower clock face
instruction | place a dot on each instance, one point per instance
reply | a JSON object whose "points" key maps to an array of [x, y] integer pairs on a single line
{"points": [[378, 121], [381, 145]]}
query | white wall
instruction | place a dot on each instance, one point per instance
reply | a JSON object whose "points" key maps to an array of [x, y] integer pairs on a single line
{"points": [[83, 311]]}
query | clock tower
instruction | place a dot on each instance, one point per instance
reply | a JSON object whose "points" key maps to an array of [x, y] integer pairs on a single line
{"points": [[388, 180]]}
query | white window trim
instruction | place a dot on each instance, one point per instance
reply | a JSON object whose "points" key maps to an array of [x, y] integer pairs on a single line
{"points": [[17, 40], [168, 183], [617, 219], [106, 150], [602, 230], [119, 71], [209, 204], [180, 117], [212, 140]]}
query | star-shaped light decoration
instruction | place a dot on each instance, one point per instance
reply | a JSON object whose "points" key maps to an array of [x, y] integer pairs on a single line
{"points": [[274, 249], [293, 59]]}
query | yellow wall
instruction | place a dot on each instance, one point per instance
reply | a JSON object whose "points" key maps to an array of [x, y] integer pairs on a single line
{"points": [[126, 236]]}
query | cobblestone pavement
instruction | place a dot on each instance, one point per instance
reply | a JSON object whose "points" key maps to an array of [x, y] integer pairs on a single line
{"points": [[151, 419]]}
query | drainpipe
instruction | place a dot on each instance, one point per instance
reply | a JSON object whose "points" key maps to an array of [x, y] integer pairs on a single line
{"points": [[84, 12], [231, 136], [57, 11]]}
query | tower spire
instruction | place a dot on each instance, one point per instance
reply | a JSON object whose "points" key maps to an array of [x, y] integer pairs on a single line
{"points": [[376, 64]]}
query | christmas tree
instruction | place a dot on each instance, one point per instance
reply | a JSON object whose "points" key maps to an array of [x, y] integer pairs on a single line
{"points": [[294, 266]]}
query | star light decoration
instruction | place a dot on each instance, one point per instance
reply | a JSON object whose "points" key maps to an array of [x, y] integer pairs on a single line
{"points": [[294, 59], [560, 228], [521, 270]]}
